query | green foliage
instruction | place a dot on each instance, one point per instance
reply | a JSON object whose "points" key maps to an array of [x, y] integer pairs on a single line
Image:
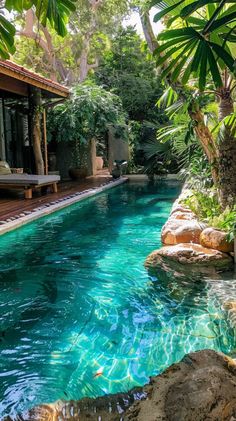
{"points": [[7, 33], [226, 221], [89, 31], [159, 157], [55, 12], [128, 71], [198, 172], [87, 114], [196, 42], [178, 142], [206, 206]]}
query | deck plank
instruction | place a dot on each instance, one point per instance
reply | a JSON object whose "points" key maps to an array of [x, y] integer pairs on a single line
{"points": [[14, 203]]}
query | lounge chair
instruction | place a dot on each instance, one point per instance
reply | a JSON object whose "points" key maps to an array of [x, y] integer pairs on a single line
{"points": [[28, 182]]}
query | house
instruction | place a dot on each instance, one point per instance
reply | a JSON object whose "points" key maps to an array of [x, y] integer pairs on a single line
{"points": [[20, 89]]}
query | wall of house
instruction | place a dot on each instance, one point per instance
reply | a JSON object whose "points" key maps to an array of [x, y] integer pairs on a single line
{"points": [[118, 149], [64, 159]]}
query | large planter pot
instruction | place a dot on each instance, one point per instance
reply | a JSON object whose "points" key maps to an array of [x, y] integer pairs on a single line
{"points": [[99, 162], [78, 173]]}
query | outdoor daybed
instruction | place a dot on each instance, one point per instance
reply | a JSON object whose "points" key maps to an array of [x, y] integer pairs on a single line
{"points": [[28, 182]]}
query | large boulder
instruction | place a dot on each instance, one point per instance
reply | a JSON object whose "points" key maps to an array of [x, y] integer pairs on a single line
{"points": [[202, 387], [190, 255], [177, 231], [216, 239]]}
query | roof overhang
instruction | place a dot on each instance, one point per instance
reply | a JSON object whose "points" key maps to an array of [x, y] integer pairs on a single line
{"points": [[22, 78]]}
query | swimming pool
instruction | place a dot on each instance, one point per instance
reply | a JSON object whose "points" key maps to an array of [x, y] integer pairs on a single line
{"points": [[80, 315]]}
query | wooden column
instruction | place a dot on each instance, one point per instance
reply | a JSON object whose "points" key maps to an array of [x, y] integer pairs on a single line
{"points": [[45, 141], [36, 112]]}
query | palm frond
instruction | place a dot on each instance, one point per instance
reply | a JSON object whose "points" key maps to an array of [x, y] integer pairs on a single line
{"points": [[168, 98]]}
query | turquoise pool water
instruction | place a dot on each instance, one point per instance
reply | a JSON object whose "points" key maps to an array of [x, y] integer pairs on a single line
{"points": [[80, 315]]}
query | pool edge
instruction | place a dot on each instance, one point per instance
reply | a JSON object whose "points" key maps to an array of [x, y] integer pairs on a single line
{"points": [[58, 205]]}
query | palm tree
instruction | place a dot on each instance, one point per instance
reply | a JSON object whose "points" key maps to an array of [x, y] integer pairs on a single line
{"points": [[198, 45]]}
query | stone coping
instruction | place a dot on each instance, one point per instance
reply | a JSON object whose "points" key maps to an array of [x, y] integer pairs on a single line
{"points": [[55, 205], [141, 177]]}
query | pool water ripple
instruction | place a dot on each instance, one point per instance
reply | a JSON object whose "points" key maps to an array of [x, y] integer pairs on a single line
{"points": [[80, 315]]}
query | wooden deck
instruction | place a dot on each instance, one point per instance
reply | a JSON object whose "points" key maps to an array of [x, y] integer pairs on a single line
{"points": [[13, 203]]}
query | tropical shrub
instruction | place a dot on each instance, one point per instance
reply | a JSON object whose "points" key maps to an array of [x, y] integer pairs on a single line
{"points": [[87, 114], [205, 204], [129, 71]]}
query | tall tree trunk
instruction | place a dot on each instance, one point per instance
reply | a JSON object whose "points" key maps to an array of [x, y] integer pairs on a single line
{"points": [[36, 103], [227, 152], [83, 67], [205, 138], [147, 30]]}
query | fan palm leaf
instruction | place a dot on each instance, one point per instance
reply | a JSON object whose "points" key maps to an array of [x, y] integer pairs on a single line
{"points": [[198, 45]]}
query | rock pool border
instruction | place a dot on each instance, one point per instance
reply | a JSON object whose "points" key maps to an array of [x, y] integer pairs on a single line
{"points": [[39, 212], [187, 241]]}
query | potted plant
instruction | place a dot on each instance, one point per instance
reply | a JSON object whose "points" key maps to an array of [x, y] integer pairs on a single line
{"points": [[84, 118], [79, 169]]}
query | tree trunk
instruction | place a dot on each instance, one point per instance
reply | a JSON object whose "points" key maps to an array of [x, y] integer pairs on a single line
{"points": [[84, 58], [227, 153], [206, 139], [36, 103], [92, 152], [147, 30]]}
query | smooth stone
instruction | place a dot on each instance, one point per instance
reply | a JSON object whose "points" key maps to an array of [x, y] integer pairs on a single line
{"points": [[181, 231], [216, 239], [189, 254]]}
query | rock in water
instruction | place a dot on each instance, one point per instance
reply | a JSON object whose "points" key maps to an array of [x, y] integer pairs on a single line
{"points": [[202, 387], [105, 408], [190, 256]]}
